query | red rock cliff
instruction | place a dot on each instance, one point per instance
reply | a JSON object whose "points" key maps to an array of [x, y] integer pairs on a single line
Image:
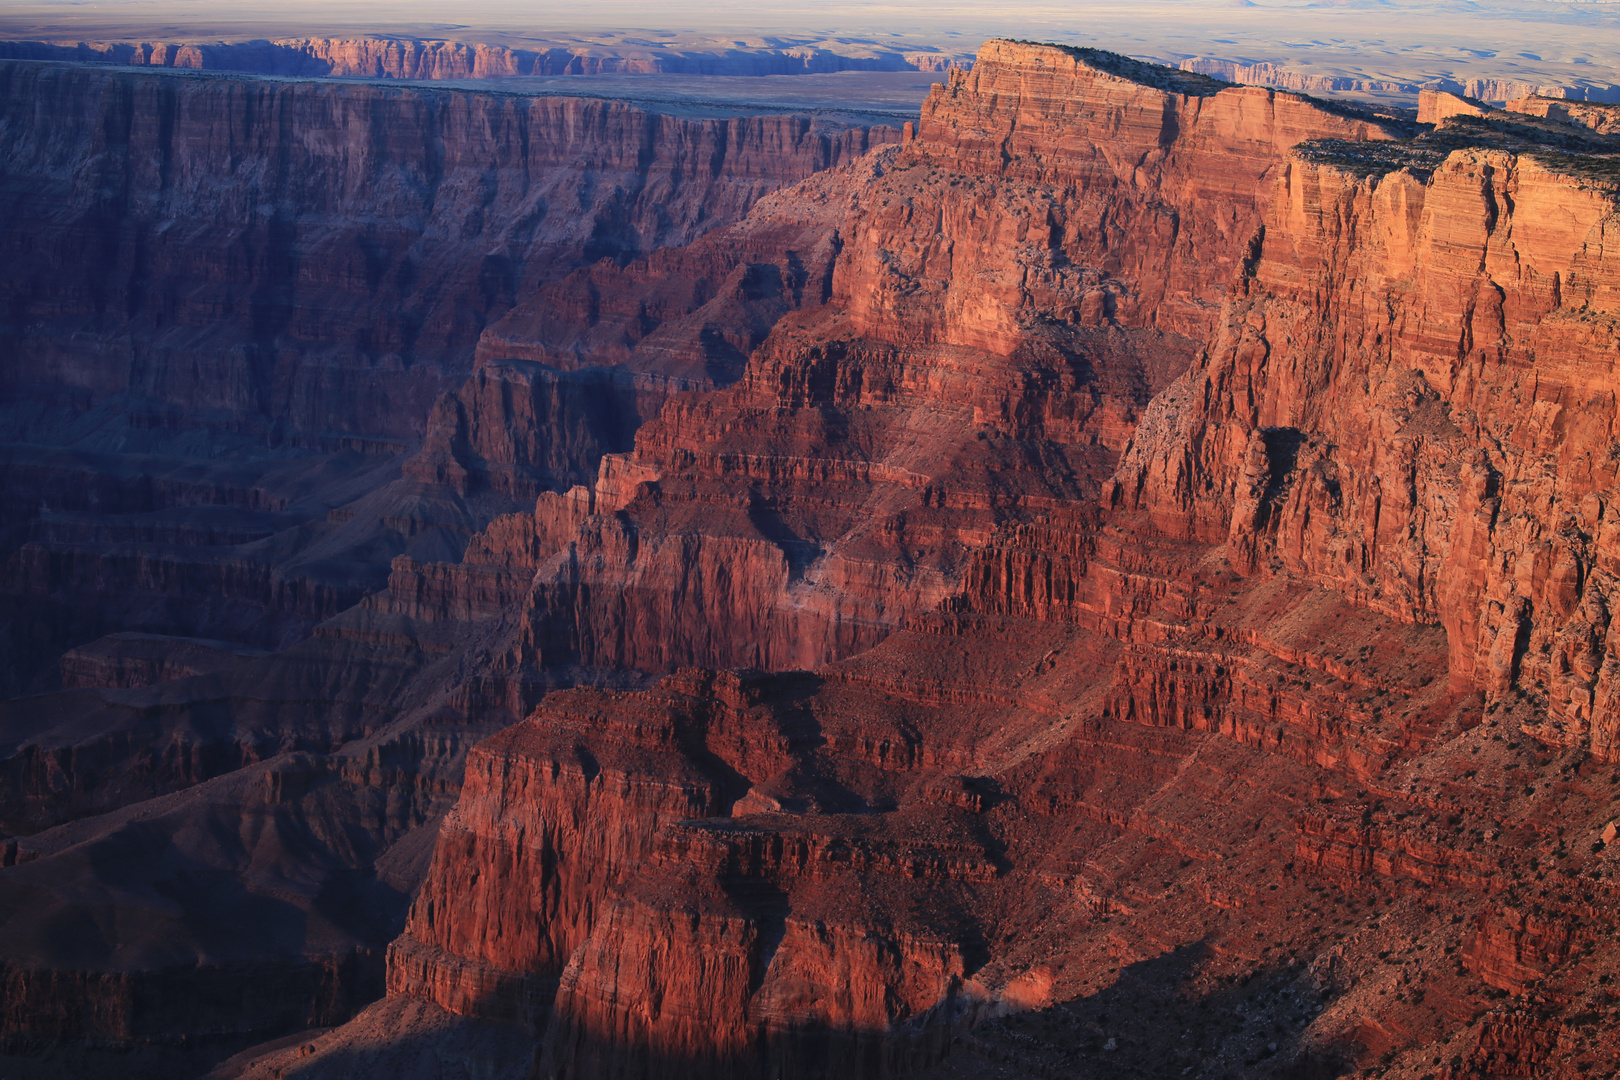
{"points": [[1410, 402], [1197, 685]]}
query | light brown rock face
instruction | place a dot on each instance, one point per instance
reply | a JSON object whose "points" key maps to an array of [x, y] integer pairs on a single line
{"points": [[1436, 106], [1411, 402]]}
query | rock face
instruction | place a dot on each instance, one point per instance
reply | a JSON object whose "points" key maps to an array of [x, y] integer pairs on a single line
{"points": [[1113, 585], [1436, 106], [411, 58], [1600, 118], [1024, 577], [234, 304], [1462, 481], [188, 258], [330, 280]]}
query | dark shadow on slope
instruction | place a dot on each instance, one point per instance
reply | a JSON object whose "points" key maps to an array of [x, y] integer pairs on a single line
{"points": [[1167, 1017], [798, 552]]}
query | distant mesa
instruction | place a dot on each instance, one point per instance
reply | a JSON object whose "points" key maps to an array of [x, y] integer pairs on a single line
{"points": [[412, 58], [1266, 73]]}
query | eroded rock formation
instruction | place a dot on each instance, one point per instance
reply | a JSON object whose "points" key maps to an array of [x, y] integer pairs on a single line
{"points": [[247, 795], [1116, 584], [414, 58]]}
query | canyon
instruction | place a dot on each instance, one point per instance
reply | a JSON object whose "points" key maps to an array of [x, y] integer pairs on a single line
{"points": [[1112, 578]]}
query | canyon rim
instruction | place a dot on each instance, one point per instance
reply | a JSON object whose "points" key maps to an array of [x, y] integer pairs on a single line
{"points": [[1107, 573]]}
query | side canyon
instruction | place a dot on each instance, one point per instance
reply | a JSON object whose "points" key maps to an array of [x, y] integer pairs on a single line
{"points": [[1111, 579]]}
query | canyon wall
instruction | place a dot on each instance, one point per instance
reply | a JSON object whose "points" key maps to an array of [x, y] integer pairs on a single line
{"points": [[303, 259], [411, 58], [1170, 688]]}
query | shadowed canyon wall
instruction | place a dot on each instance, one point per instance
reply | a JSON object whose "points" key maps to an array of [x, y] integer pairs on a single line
{"points": [[313, 259], [231, 307]]}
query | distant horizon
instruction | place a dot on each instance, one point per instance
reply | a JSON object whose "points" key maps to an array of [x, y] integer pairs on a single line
{"points": [[1409, 40]]}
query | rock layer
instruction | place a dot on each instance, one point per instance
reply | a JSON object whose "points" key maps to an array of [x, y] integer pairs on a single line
{"points": [[411, 58]]}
